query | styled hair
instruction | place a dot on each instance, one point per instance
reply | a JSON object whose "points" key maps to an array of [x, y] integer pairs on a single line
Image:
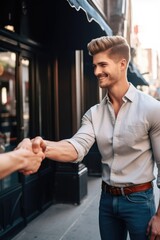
{"points": [[117, 47]]}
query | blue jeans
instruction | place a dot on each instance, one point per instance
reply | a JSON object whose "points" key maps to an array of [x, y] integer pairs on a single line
{"points": [[119, 215]]}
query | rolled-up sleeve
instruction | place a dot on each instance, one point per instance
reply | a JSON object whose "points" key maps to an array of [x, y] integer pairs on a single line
{"points": [[84, 138]]}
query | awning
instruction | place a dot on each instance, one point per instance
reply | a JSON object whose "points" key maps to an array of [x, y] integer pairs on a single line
{"points": [[135, 77], [91, 14]]}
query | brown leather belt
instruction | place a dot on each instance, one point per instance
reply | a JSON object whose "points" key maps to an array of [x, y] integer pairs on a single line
{"points": [[117, 191]]}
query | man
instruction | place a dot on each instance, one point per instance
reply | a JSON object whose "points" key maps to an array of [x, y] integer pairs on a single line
{"points": [[126, 127], [23, 160]]}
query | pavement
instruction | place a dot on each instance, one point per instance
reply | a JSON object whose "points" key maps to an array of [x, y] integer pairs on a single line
{"points": [[67, 221]]}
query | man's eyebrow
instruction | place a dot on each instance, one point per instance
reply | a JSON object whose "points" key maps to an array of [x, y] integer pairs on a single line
{"points": [[99, 63]]}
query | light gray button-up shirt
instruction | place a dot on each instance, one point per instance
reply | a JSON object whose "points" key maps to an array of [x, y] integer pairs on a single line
{"points": [[129, 144]]}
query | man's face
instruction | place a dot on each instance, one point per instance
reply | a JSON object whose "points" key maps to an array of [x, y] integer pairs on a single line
{"points": [[107, 70]]}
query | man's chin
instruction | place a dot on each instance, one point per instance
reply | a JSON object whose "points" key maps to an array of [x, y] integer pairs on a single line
{"points": [[102, 86]]}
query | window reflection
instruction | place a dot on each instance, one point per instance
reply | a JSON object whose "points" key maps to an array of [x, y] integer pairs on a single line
{"points": [[25, 93], [8, 111], [8, 123], [8, 115]]}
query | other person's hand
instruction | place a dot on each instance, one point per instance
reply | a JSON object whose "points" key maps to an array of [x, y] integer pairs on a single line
{"points": [[30, 161], [25, 143]]}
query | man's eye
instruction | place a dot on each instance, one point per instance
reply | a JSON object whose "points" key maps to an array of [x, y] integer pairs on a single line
{"points": [[103, 65]]}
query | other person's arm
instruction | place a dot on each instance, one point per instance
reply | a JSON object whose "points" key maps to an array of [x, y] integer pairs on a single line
{"points": [[22, 160]]}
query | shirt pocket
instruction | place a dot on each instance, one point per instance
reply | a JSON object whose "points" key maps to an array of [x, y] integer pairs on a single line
{"points": [[134, 134]]}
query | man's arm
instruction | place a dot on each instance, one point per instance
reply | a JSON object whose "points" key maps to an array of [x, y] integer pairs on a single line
{"points": [[153, 229], [61, 151]]}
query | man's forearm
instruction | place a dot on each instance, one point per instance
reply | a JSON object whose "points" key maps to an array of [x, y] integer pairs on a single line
{"points": [[61, 151]]}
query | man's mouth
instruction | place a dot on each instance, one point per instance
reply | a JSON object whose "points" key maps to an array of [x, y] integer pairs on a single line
{"points": [[102, 77]]}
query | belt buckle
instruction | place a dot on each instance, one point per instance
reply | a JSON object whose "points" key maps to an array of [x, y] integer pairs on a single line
{"points": [[117, 191]]}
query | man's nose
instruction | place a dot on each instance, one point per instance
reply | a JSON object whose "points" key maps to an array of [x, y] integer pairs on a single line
{"points": [[97, 71]]}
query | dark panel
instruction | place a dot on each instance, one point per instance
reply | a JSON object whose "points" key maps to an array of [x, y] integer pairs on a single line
{"points": [[11, 213], [91, 88], [38, 192], [31, 198], [46, 188], [71, 187], [65, 94]]}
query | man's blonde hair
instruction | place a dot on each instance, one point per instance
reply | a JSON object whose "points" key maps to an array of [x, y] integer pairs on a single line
{"points": [[117, 47]]}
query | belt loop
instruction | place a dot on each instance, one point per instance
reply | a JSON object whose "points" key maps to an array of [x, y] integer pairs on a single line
{"points": [[122, 191]]}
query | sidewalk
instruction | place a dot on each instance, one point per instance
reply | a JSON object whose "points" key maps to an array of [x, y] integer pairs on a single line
{"points": [[67, 221]]}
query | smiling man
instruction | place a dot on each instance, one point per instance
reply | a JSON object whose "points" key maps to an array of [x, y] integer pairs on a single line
{"points": [[126, 127]]}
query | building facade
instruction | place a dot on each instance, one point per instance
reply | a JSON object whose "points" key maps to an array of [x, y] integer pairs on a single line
{"points": [[46, 85]]}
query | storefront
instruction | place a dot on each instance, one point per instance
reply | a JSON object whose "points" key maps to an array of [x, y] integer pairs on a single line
{"points": [[45, 77]]}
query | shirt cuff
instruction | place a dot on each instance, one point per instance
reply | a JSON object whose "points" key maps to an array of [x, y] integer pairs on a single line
{"points": [[78, 148]]}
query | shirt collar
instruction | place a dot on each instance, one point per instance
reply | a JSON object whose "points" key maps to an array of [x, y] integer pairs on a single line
{"points": [[129, 95]]}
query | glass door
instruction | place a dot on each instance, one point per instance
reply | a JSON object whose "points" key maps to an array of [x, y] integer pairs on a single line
{"points": [[14, 105], [8, 111], [8, 122]]}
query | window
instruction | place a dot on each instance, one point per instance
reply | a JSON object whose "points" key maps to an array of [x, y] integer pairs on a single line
{"points": [[14, 106], [8, 120]]}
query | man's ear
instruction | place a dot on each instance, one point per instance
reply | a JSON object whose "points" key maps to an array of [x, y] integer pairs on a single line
{"points": [[123, 63]]}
